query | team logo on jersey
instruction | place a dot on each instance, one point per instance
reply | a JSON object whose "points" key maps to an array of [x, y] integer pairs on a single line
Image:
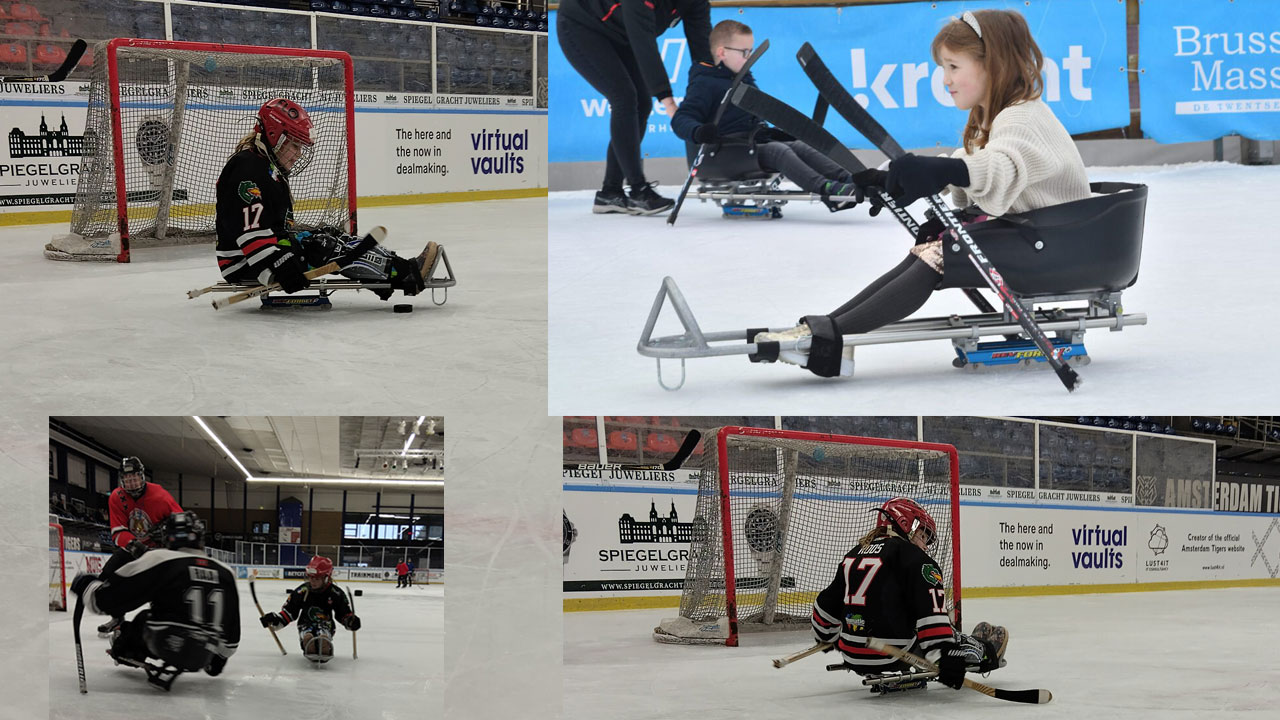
{"points": [[931, 574], [139, 523], [249, 191], [855, 623]]}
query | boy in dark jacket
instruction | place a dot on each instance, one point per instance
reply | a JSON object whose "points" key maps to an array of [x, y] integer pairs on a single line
{"points": [[731, 45]]}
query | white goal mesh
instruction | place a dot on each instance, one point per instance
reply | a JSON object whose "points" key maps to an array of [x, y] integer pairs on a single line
{"points": [[164, 117], [776, 512]]}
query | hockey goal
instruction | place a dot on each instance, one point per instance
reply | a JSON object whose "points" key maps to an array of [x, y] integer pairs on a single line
{"points": [[164, 117], [778, 509], [57, 569]]}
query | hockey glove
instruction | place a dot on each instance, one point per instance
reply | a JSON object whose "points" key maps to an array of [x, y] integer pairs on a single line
{"points": [[706, 133], [352, 622], [951, 667], [135, 548], [81, 581], [288, 270], [273, 621], [912, 177], [214, 668], [870, 183]]}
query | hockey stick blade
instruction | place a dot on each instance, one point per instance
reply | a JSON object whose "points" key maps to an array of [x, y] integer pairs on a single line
{"points": [[863, 122], [715, 120], [675, 462], [74, 53], [788, 659], [1032, 697]]}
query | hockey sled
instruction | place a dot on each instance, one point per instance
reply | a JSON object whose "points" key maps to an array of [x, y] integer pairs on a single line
{"points": [[1085, 252], [438, 277]]}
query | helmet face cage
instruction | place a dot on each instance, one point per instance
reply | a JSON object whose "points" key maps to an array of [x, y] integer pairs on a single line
{"points": [[282, 121], [133, 476], [320, 567]]}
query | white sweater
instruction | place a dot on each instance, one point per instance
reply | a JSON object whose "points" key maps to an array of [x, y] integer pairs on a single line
{"points": [[1029, 162]]}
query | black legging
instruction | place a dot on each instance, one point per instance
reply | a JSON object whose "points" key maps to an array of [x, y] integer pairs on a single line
{"points": [[892, 297], [611, 69]]}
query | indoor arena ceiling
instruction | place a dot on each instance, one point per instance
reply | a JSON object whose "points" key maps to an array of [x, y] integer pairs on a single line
{"points": [[369, 448]]}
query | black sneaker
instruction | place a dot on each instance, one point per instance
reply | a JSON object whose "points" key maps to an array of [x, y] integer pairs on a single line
{"points": [[612, 201], [647, 202]]}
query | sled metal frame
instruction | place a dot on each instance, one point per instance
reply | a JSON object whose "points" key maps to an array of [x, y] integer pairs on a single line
{"points": [[1103, 310], [764, 193]]}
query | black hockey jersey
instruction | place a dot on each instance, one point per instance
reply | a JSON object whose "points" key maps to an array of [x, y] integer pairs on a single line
{"points": [[316, 607], [254, 217], [186, 589], [891, 590]]}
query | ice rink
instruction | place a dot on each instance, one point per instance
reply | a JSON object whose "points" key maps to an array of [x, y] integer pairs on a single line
{"points": [[1176, 654], [399, 674], [1207, 280], [118, 338]]}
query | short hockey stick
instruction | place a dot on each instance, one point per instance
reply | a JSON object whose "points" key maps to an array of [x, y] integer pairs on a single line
{"points": [[373, 238], [787, 660], [254, 593], [74, 53], [675, 462], [75, 628], [715, 120], [1033, 697], [354, 654], [863, 122], [806, 130]]}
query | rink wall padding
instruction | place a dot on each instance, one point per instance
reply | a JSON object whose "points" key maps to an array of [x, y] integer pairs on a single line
{"points": [[79, 561], [1034, 543]]}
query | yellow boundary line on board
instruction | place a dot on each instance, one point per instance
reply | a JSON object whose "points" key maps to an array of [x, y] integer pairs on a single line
{"points": [[646, 602], [44, 217]]}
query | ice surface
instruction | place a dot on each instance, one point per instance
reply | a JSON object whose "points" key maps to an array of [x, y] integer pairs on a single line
{"points": [[398, 676], [108, 338], [1207, 279], [1181, 654]]}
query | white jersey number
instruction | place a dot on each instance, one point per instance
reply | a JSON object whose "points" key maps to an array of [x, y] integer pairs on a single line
{"points": [[872, 566], [252, 223], [196, 603]]}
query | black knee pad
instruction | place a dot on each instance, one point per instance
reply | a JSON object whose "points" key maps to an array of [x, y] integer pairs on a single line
{"points": [[826, 347]]}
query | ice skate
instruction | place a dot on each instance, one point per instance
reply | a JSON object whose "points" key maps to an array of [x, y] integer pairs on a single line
{"points": [[427, 259], [994, 635], [787, 353]]}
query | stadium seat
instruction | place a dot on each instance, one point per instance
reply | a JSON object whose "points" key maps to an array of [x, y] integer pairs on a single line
{"points": [[660, 443], [584, 438], [622, 440], [13, 54], [50, 55]]}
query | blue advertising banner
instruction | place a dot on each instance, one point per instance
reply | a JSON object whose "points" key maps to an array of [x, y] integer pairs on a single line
{"points": [[1210, 68], [881, 53]]}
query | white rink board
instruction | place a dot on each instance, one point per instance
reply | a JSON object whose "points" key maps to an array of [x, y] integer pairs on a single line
{"points": [[1002, 545]]}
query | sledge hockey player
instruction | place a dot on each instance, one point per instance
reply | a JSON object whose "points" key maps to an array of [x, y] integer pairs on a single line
{"points": [[1016, 157], [193, 622], [257, 239], [137, 511], [731, 44], [889, 588], [315, 604]]}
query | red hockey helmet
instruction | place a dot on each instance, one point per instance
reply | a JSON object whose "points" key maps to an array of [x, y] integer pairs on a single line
{"points": [[320, 567], [281, 120], [907, 516]]}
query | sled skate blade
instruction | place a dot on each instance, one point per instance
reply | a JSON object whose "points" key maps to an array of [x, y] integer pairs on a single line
{"points": [[898, 682], [1014, 353], [294, 302]]}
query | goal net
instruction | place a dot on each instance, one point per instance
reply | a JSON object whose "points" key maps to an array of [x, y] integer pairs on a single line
{"points": [[57, 569], [778, 509], [164, 117]]}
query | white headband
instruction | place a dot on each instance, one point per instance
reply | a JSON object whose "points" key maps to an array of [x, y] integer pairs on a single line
{"points": [[973, 22]]}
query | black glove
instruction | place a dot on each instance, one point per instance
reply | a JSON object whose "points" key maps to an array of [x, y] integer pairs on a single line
{"points": [[135, 548], [870, 183], [273, 620], [352, 622], [912, 177], [288, 270], [81, 581], [951, 668], [706, 133], [214, 668]]}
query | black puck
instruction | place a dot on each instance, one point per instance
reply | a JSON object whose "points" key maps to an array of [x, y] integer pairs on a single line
{"points": [[405, 308], [358, 593]]}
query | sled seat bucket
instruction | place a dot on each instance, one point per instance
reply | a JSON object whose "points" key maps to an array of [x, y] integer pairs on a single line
{"points": [[732, 160], [1085, 246]]}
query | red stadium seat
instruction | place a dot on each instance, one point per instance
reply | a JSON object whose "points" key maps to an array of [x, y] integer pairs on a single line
{"points": [[20, 28], [22, 11], [50, 55], [623, 440], [13, 54], [660, 444], [584, 438]]}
